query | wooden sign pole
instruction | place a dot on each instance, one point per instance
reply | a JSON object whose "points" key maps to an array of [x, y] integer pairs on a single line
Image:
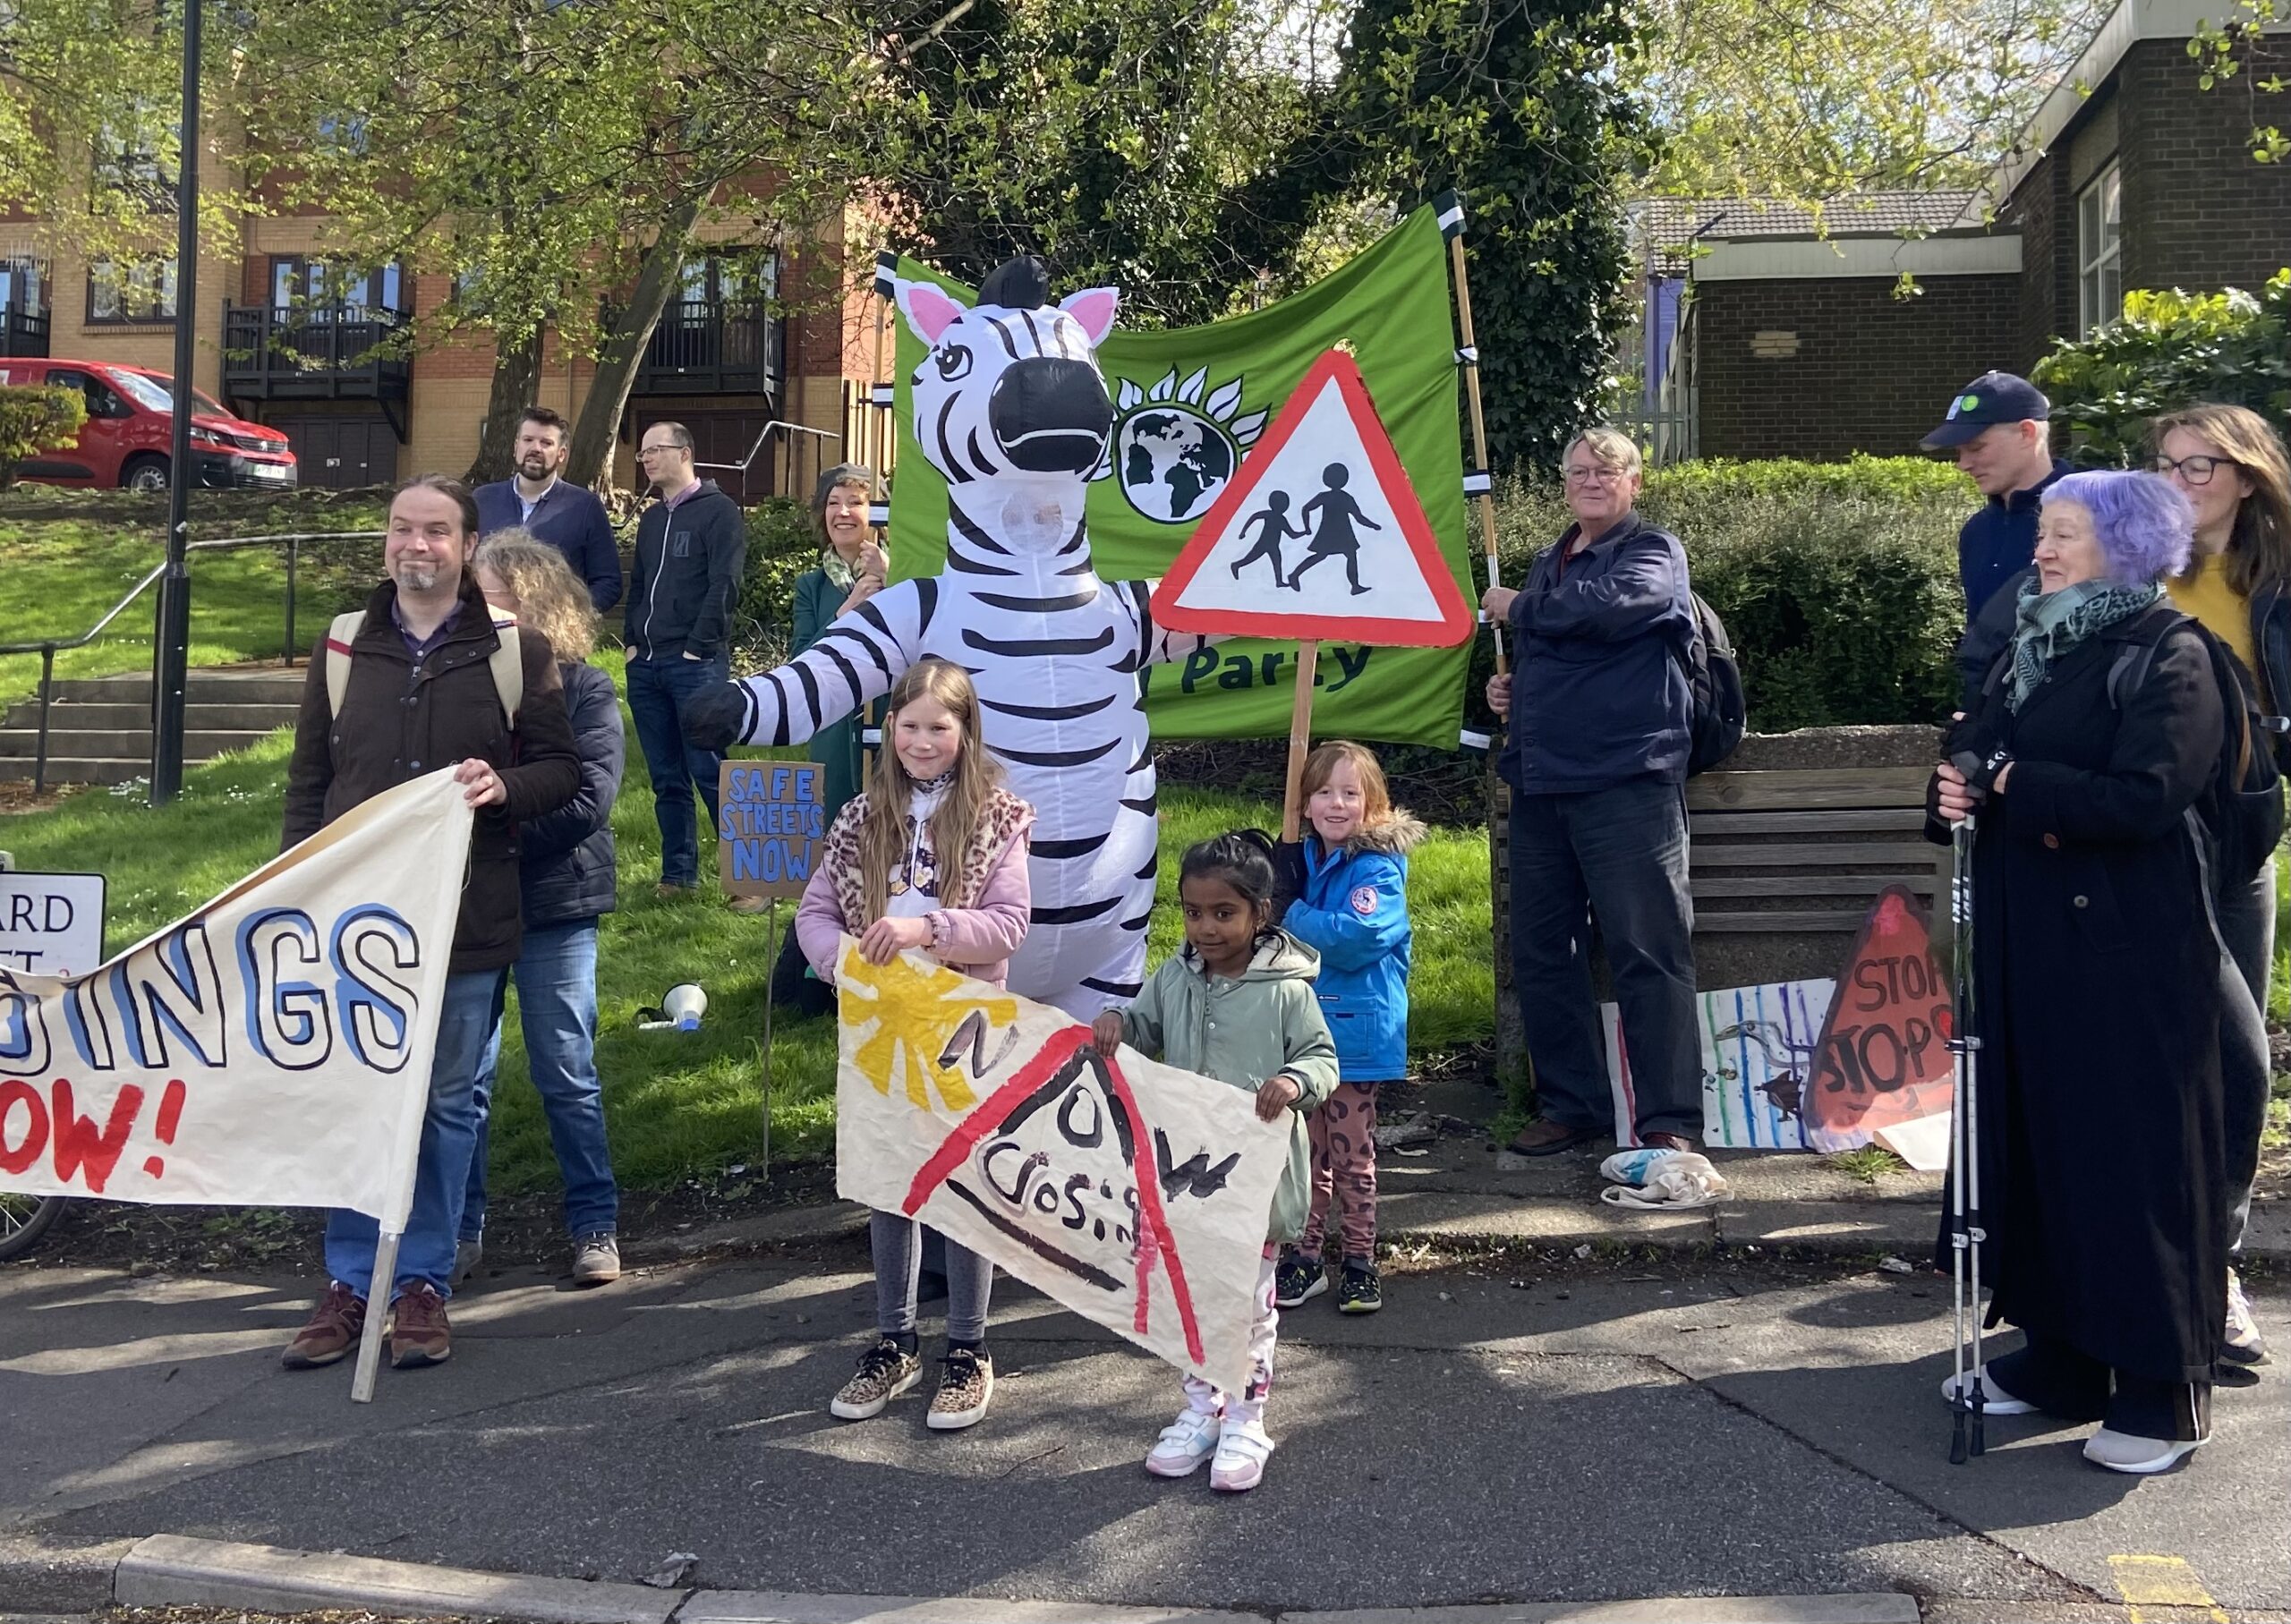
{"points": [[770, 959], [1485, 500], [1301, 738]]}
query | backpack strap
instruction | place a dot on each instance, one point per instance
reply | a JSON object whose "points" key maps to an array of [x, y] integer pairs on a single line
{"points": [[508, 667], [339, 636], [507, 662]]}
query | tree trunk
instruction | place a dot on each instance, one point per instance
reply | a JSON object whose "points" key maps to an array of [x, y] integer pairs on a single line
{"points": [[517, 384], [624, 346]]}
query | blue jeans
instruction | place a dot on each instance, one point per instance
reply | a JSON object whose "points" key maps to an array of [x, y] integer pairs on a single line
{"points": [[2247, 928], [556, 1007], [658, 692], [448, 1136], [1618, 857]]}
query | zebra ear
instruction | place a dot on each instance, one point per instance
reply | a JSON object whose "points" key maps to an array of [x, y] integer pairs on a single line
{"points": [[929, 310], [1093, 308]]}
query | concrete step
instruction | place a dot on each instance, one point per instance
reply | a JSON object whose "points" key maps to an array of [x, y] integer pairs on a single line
{"points": [[259, 685], [22, 743], [81, 770], [98, 716]]}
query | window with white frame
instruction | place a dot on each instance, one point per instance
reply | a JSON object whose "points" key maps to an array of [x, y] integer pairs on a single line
{"points": [[2100, 249]]}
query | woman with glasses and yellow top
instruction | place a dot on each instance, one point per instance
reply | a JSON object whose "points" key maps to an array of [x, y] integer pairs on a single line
{"points": [[2231, 467]]}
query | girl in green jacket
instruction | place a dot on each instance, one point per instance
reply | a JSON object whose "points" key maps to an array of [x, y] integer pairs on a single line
{"points": [[1236, 1004]]}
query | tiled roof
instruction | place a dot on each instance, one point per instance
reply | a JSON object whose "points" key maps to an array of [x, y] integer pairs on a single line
{"points": [[1663, 228]]}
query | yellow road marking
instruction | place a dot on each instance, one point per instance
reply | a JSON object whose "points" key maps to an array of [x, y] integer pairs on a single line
{"points": [[2161, 1581]]}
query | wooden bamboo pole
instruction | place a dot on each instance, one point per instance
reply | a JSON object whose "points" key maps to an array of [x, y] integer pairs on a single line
{"points": [[1301, 738], [1485, 501]]}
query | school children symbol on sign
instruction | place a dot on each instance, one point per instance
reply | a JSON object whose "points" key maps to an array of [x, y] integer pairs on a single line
{"points": [[1320, 535]]}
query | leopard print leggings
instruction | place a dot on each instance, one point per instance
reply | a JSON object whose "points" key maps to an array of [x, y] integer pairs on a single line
{"points": [[1344, 1165]]}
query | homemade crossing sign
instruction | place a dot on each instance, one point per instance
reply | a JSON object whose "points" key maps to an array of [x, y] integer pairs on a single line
{"points": [[1318, 535]]}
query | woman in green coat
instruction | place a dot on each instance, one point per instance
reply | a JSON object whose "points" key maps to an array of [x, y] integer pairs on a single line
{"points": [[851, 571]]}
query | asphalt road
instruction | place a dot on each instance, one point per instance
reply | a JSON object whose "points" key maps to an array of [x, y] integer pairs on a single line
{"points": [[1576, 1437]]}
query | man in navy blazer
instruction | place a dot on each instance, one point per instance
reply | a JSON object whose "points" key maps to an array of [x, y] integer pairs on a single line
{"points": [[568, 517]]}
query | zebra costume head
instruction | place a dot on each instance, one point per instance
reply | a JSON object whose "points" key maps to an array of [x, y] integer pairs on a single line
{"points": [[1009, 396]]}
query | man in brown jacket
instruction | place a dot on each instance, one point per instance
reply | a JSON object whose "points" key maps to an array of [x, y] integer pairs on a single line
{"points": [[421, 694]]}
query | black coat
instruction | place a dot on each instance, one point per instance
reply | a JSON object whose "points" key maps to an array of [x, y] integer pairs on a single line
{"points": [[567, 871], [2096, 1002]]}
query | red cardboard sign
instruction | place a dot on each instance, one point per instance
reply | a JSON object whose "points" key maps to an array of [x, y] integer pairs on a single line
{"points": [[1883, 1057]]}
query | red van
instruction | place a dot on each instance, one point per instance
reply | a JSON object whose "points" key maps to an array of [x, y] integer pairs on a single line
{"points": [[129, 425]]}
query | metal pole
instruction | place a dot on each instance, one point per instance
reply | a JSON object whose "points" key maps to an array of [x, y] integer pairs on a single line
{"points": [[171, 649], [47, 693], [294, 556], [1969, 1400]]}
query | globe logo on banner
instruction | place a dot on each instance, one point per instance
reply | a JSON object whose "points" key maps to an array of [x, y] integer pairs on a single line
{"points": [[1173, 450], [1321, 536]]}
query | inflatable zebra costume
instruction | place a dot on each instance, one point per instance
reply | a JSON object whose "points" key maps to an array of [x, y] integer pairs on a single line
{"points": [[1010, 407]]}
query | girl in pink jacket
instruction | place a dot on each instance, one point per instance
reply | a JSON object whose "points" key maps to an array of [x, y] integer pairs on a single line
{"points": [[931, 857]]}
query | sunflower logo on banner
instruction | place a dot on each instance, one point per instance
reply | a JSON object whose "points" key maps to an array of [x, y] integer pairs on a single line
{"points": [[1175, 446]]}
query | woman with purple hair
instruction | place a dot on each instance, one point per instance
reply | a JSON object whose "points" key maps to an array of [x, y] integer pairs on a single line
{"points": [[2098, 980]]}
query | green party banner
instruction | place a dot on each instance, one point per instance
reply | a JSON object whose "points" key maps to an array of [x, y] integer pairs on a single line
{"points": [[1188, 403]]}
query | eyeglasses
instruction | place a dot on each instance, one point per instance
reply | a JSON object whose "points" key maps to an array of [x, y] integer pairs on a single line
{"points": [[1597, 476], [656, 450], [2194, 469]]}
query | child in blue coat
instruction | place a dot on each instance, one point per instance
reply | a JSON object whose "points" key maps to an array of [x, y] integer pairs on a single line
{"points": [[1353, 911]]}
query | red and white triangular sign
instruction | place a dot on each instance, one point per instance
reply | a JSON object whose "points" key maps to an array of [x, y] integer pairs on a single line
{"points": [[1319, 535]]}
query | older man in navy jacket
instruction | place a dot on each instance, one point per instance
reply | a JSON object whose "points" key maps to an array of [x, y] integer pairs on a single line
{"points": [[1599, 710], [568, 517]]}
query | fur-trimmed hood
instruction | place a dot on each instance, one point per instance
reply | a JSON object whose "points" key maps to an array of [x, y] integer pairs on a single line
{"points": [[1395, 836]]}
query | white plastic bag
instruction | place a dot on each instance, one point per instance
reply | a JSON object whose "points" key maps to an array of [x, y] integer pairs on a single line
{"points": [[1670, 1180]]}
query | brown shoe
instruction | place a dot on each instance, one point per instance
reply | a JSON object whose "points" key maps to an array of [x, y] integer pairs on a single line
{"points": [[419, 1334], [1668, 1142], [1544, 1137], [332, 1331]]}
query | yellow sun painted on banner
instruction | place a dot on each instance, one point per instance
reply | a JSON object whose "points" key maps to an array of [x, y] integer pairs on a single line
{"points": [[916, 1011]]}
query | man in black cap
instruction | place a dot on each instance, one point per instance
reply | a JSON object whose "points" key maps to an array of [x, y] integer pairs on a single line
{"points": [[1998, 426]]}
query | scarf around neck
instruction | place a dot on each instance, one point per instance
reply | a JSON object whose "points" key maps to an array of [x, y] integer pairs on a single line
{"points": [[2051, 624], [841, 576]]}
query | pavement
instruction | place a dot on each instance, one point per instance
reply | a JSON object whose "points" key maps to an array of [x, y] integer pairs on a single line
{"points": [[1527, 1429]]}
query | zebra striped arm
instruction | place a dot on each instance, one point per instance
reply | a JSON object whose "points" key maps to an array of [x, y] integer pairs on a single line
{"points": [[1156, 645], [856, 660]]}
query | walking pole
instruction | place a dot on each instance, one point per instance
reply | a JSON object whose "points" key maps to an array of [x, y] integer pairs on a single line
{"points": [[1968, 1401], [1480, 484]]}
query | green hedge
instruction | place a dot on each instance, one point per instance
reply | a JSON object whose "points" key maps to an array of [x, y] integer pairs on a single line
{"points": [[2171, 349], [33, 420], [1838, 581]]}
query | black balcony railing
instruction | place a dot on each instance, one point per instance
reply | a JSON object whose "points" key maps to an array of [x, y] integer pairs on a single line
{"points": [[713, 346], [312, 354], [22, 333]]}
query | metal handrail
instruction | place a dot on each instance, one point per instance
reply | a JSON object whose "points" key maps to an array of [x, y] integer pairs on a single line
{"points": [[47, 648]]}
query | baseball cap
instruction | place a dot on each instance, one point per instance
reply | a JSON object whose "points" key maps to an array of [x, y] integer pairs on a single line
{"points": [[1993, 397]]}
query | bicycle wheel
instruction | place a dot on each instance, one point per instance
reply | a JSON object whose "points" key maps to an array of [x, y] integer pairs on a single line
{"points": [[23, 1219]]}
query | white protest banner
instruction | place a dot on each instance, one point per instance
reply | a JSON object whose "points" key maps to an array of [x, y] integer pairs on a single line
{"points": [[1135, 1193], [271, 1049]]}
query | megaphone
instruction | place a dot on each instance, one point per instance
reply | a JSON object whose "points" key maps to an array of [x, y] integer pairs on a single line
{"points": [[684, 1006], [680, 1010]]}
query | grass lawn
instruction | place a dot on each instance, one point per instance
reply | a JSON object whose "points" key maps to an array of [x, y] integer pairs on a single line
{"points": [[682, 1104], [59, 575]]}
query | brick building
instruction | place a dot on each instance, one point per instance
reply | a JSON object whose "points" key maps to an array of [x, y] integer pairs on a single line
{"points": [[1791, 341], [752, 339]]}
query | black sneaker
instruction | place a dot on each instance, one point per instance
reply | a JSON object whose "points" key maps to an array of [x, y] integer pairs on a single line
{"points": [[1358, 1291], [1297, 1279]]}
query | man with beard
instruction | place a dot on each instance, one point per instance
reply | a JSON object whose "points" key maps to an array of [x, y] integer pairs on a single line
{"points": [[568, 517], [422, 681]]}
